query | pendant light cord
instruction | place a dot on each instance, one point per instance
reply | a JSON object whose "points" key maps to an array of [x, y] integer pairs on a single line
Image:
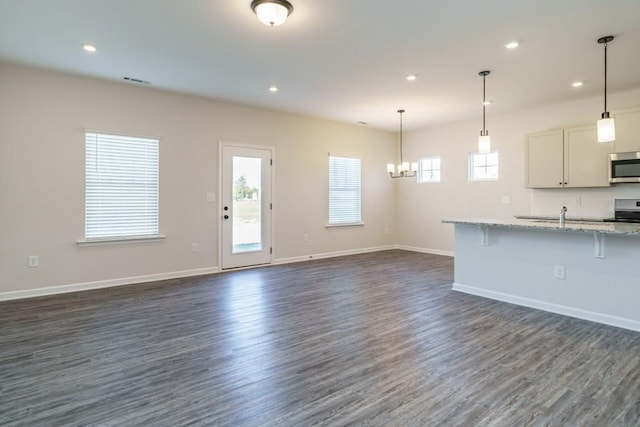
{"points": [[605, 76], [484, 103]]}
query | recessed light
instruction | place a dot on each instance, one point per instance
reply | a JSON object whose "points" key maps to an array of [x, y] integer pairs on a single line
{"points": [[273, 89], [89, 47], [512, 45], [412, 77], [487, 102], [577, 84]]}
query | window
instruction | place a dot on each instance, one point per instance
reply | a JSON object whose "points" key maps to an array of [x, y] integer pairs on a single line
{"points": [[483, 167], [429, 169], [121, 199], [344, 191]]}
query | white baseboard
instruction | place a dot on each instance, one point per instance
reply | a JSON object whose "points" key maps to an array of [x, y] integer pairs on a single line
{"points": [[607, 319], [425, 250], [63, 289], [76, 287], [332, 254]]}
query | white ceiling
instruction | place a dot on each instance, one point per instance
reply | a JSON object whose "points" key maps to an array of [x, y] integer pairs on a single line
{"points": [[340, 59]]}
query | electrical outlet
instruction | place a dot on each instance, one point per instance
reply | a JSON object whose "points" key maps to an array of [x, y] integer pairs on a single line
{"points": [[211, 197], [34, 261], [194, 247], [506, 200], [577, 201], [558, 272], [305, 237]]}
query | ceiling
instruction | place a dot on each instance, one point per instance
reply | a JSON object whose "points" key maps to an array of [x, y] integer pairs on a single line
{"points": [[343, 60]]}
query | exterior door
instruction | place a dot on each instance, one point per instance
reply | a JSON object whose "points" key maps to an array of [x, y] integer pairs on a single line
{"points": [[246, 206]]}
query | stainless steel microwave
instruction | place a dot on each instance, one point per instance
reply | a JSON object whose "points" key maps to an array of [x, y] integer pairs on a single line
{"points": [[624, 167]]}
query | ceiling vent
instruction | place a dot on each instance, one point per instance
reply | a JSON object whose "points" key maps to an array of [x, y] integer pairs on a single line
{"points": [[133, 80]]}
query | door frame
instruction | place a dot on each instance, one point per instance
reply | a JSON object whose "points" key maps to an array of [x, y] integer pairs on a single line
{"points": [[219, 210]]}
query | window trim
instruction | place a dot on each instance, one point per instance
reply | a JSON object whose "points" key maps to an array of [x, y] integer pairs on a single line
{"points": [[471, 167], [125, 238], [420, 179], [358, 223]]}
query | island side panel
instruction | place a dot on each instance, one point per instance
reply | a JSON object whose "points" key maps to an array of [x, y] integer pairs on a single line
{"points": [[517, 266]]}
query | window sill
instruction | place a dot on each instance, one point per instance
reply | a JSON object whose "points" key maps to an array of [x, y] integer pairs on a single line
{"points": [[349, 224], [120, 240]]}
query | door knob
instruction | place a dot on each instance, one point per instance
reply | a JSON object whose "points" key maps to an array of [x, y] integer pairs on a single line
{"points": [[226, 208], [226, 217]]}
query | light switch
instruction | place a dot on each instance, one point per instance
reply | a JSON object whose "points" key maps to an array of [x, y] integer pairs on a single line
{"points": [[211, 197], [506, 200]]}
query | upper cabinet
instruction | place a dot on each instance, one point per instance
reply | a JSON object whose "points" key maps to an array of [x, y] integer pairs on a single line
{"points": [[627, 131], [544, 164], [586, 162], [569, 158]]}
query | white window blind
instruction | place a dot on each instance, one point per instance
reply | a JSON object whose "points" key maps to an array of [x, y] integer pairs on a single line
{"points": [[344, 191], [121, 199]]}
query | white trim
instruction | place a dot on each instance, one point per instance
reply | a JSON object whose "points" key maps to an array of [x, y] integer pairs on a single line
{"points": [[272, 228], [607, 319], [345, 224], [119, 240], [63, 289], [279, 261], [425, 250]]}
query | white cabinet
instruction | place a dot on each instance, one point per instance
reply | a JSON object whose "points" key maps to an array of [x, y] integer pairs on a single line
{"points": [[569, 158], [544, 164], [627, 131], [586, 162]]}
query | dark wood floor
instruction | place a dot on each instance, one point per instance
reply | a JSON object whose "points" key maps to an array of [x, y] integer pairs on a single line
{"points": [[376, 339]]}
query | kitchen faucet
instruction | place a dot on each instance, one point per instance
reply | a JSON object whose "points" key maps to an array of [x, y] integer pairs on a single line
{"points": [[563, 214]]}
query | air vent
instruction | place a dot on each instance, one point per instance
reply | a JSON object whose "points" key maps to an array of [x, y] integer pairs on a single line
{"points": [[133, 80]]}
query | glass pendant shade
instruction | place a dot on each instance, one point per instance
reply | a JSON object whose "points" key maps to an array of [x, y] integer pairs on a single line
{"points": [[484, 144], [391, 168], [272, 13], [606, 130]]}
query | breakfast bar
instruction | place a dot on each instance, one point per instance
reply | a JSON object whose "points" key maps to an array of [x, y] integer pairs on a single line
{"points": [[584, 269]]}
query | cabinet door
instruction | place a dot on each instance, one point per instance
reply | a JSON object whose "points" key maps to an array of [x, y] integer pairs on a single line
{"points": [[586, 160], [544, 160], [627, 131]]}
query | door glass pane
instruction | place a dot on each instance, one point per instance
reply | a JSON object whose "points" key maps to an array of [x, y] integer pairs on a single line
{"points": [[247, 206]]}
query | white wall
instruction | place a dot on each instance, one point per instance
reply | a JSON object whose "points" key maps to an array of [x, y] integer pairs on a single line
{"points": [[43, 115], [423, 206]]}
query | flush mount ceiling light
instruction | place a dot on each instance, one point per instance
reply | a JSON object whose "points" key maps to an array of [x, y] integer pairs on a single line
{"points": [[512, 45], [484, 141], [404, 169], [411, 77], [577, 84], [606, 125], [272, 12], [273, 88], [89, 48]]}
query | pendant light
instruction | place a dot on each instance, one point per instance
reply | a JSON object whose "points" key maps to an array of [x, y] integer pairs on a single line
{"points": [[606, 125], [484, 140], [272, 12], [404, 169]]}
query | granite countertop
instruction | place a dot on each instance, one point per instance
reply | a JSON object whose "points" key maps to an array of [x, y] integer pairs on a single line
{"points": [[580, 226]]}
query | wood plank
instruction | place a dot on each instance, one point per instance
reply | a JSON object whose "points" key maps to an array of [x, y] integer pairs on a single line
{"points": [[372, 339]]}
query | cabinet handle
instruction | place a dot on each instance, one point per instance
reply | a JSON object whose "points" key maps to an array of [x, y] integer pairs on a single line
{"points": [[560, 183], [565, 183]]}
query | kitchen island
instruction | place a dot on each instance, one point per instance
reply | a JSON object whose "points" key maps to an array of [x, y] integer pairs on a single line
{"points": [[589, 270]]}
